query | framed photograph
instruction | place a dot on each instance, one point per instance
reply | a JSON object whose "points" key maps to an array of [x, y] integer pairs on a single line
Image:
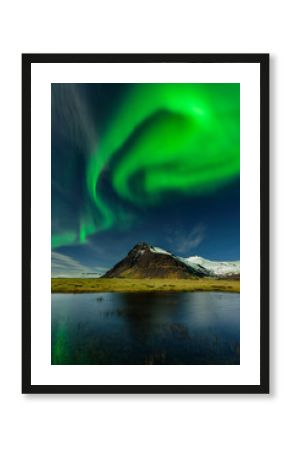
{"points": [[145, 223]]}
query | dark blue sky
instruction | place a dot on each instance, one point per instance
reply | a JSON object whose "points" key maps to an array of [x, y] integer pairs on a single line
{"points": [[185, 223]]}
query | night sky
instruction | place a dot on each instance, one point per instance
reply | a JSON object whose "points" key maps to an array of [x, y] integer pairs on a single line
{"points": [[144, 162]]}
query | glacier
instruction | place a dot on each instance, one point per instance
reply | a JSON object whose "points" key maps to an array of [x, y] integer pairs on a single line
{"points": [[216, 268], [208, 267]]}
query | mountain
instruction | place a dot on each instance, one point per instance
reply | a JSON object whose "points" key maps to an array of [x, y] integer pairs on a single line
{"points": [[97, 274], [146, 261], [220, 269]]}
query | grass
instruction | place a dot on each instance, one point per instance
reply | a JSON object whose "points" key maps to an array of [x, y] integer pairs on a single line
{"points": [[82, 285]]}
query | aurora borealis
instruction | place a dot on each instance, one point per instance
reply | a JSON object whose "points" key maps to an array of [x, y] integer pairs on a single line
{"points": [[144, 161]]}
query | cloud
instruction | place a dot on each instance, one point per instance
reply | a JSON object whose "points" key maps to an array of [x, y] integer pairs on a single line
{"points": [[71, 116], [66, 266], [185, 242]]}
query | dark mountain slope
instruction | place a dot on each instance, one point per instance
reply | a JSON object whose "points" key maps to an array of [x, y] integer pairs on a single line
{"points": [[143, 261]]}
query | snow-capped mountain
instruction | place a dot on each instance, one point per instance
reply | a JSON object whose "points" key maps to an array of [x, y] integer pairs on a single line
{"points": [[210, 268], [216, 268], [147, 261]]}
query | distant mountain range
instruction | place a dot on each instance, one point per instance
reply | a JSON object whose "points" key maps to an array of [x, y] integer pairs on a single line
{"points": [[147, 261]]}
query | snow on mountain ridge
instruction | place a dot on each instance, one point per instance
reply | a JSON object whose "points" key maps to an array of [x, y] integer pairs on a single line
{"points": [[159, 250], [208, 267], [216, 267]]}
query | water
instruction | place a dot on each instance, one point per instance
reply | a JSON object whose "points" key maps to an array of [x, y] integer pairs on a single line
{"points": [[150, 328]]}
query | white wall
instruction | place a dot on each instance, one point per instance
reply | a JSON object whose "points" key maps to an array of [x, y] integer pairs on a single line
{"points": [[109, 422]]}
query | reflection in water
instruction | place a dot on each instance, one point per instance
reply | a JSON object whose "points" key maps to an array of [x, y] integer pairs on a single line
{"points": [[146, 328]]}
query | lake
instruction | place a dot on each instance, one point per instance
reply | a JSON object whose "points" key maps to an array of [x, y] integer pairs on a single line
{"points": [[146, 328]]}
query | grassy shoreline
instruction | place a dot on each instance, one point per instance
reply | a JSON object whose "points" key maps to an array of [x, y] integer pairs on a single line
{"points": [[86, 285]]}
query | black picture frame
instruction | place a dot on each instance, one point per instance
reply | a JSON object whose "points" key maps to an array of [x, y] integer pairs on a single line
{"points": [[27, 61]]}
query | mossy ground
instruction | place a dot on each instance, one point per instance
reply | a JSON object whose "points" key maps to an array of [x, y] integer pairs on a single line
{"points": [[82, 285]]}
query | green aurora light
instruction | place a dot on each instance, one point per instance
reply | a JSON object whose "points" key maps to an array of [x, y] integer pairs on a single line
{"points": [[160, 138]]}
